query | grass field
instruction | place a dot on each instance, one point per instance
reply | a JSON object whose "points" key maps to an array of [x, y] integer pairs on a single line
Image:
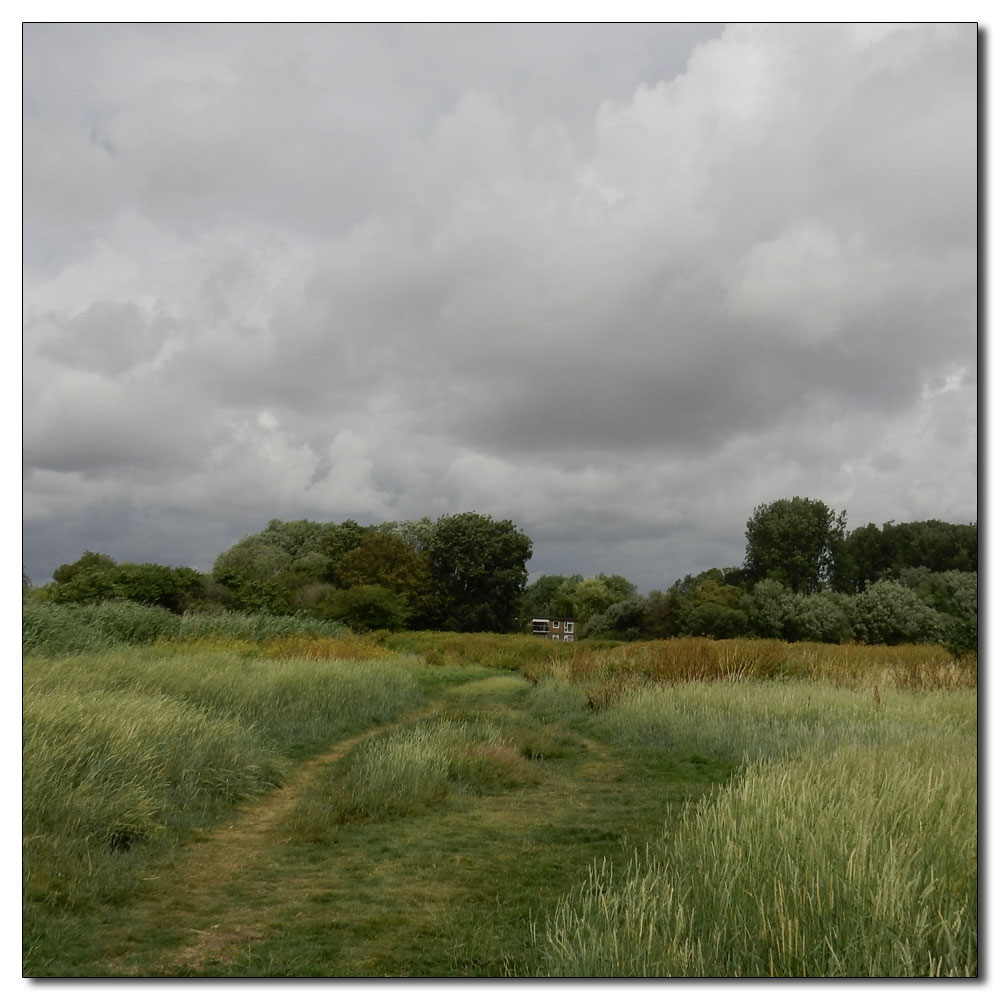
{"points": [[225, 804]]}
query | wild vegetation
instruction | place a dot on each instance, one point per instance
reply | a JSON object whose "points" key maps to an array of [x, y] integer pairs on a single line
{"points": [[804, 577], [325, 758], [237, 802]]}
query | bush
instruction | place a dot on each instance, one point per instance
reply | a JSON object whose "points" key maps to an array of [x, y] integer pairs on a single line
{"points": [[716, 621], [889, 613], [369, 607]]}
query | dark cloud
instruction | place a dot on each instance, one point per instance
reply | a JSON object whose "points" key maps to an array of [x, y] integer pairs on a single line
{"points": [[621, 283]]}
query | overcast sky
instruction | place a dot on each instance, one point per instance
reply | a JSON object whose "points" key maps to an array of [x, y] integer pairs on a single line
{"points": [[618, 283]]}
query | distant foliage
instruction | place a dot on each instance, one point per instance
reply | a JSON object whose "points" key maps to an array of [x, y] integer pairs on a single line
{"points": [[95, 577], [795, 542], [478, 570], [888, 612]]}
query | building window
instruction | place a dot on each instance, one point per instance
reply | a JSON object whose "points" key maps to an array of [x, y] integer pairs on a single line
{"points": [[569, 627], [567, 638], [557, 637], [555, 623]]}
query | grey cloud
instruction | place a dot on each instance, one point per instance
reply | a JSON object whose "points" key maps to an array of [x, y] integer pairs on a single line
{"points": [[107, 337], [621, 283]]}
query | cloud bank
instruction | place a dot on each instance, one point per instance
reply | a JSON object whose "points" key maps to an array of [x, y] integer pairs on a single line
{"points": [[619, 283]]}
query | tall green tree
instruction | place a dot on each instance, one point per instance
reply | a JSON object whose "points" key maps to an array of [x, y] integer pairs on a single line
{"points": [[550, 596], [794, 541], [478, 569], [89, 560], [388, 561]]}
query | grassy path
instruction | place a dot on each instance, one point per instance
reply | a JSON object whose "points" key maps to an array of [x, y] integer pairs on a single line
{"points": [[453, 891], [227, 864]]}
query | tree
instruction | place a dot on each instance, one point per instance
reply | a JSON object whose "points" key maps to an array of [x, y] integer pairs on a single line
{"points": [[664, 614], [888, 613], [386, 560], [870, 554], [89, 560], [253, 558], [369, 606], [859, 560], [622, 620], [716, 621], [794, 541], [175, 589], [478, 571], [550, 596], [955, 596]]}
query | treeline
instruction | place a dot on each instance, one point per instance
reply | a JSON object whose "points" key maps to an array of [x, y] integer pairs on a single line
{"points": [[462, 572], [803, 577]]}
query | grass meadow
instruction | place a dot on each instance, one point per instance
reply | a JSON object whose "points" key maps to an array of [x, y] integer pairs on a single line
{"points": [[241, 799]]}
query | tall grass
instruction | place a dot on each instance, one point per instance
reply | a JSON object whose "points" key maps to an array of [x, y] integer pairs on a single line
{"points": [[608, 671], [257, 626], [847, 848], [56, 629], [408, 770], [126, 749], [299, 704], [504, 652], [105, 772], [767, 719]]}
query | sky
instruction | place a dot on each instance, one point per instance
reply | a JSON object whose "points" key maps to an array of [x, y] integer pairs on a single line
{"points": [[620, 283]]}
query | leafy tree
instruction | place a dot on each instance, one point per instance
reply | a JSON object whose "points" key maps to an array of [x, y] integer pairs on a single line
{"points": [[773, 610], [369, 606], [794, 542], [889, 613], [935, 544], [253, 558], [618, 587], [955, 596], [387, 560], [870, 553], [622, 620], [665, 613], [478, 571], [89, 560], [146, 583], [859, 560], [336, 541], [590, 597], [823, 617], [417, 534], [550, 596], [716, 621], [256, 596], [297, 538]]}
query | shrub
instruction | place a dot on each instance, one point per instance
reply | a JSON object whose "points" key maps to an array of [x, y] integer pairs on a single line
{"points": [[716, 621], [890, 613]]}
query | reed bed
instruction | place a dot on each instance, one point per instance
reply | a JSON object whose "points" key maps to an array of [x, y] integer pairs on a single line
{"points": [[503, 652], [607, 673], [59, 629], [848, 855]]}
